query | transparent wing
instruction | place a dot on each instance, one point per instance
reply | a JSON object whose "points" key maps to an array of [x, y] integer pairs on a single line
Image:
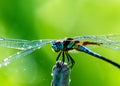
{"points": [[18, 55], [14, 57], [22, 44], [110, 41]]}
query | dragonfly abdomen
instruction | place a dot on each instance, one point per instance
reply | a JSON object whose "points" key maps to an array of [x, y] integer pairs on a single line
{"points": [[88, 51]]}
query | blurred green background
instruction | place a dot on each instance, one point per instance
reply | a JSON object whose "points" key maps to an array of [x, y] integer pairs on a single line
{"points": [[55, 19]]}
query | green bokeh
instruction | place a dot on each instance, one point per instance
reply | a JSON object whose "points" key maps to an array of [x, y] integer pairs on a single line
{"points": [[55, 19]]}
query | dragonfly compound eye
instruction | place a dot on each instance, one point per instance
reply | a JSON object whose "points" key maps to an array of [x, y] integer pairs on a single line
{"points": [[57, 46]]}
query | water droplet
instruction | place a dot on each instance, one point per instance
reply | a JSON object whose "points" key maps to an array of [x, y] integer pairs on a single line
{"points": [[0, 65], [18, 53], [41, 40], [22, 49], [5, 63], [9, 57], [5, 60], [51, 74], [29, 47], [1, 39]]}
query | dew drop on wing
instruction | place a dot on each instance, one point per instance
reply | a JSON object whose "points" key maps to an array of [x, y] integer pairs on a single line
{"points": [[1, 39], [18, 53], [5, 62], [29, 47], [0, 65]]}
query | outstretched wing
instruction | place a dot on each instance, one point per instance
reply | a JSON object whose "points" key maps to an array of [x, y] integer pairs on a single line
{"points": [[23, 44], [110, 41], [16, 56], [27, 47]]}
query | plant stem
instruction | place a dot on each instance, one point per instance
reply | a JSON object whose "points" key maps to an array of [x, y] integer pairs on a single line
{"points": [[61, 74]]}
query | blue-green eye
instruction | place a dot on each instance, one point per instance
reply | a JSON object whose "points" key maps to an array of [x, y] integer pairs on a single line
{"points": [[57, 46]]}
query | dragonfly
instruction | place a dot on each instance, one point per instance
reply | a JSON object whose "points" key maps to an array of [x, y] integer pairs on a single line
{"points": [[63, 46]]}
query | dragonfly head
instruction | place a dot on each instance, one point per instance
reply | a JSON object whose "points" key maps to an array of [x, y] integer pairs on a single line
{"points": [[57, 45]]}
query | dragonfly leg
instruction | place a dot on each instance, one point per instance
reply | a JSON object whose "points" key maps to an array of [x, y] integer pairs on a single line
{"points": [[60, 64], [63, 57], [67, 57], [88, 51], [71, 59], [58, 56]]}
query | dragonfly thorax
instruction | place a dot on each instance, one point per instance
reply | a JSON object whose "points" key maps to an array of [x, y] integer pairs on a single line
{"points": [[65, 45]]}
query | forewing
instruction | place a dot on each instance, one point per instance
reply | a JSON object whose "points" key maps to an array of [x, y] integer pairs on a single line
{"points": [[109, 41], [20, 54], [16, 56], [23, 44]]}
